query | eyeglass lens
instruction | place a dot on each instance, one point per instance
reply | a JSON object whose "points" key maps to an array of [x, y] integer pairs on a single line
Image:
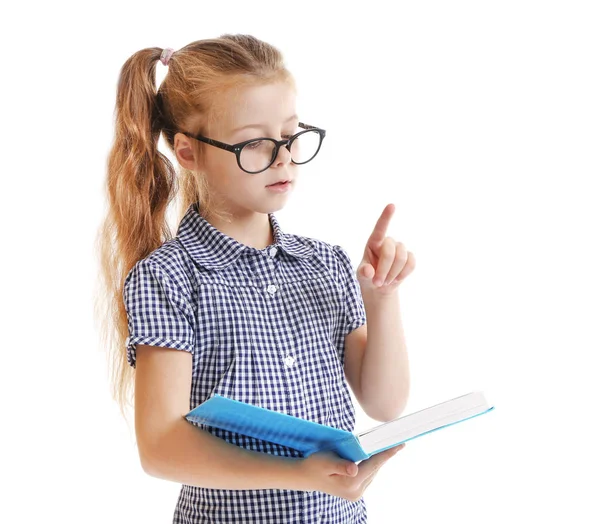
{"points": [[259, 154]]}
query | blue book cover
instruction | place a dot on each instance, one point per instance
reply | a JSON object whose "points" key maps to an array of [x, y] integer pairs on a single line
{"points": [[309, 437]]}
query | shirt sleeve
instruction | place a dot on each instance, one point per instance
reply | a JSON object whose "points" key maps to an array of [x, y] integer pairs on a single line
{"points": [[158, 312], [355, 315]]}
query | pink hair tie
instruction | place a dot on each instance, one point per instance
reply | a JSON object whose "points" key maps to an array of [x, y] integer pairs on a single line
{"points": [[166, 54]]}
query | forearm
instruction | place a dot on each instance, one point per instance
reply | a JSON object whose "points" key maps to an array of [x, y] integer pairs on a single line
{"points": [[385, 378], [188, 455]]}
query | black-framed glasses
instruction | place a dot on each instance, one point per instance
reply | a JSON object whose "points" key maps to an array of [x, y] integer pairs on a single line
{"points": [[258, 154]]}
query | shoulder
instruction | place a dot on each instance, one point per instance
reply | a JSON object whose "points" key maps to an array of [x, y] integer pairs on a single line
{"points": [[333, 256], [169, 264]]}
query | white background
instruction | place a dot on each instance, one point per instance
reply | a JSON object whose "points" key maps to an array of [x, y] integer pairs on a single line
{"points": [[479, 120]]}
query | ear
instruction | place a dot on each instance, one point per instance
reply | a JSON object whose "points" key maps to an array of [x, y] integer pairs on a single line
{"points": [[185, 153]]}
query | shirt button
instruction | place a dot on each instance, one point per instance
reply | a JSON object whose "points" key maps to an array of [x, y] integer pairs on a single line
{"points": [[271, 289], [289, 361], [273, 251]]}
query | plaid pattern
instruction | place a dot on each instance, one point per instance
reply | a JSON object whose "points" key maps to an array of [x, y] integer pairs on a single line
{"points": [[265, 327]]}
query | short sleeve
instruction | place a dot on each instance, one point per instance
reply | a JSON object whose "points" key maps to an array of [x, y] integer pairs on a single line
{"points": [[355, 315], [158, 313]]}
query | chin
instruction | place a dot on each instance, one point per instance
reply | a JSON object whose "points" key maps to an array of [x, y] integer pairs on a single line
{"points": [[271, 207]]}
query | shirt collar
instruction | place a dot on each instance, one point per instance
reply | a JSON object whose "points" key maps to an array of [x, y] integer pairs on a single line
{"points": [[213, 249]]}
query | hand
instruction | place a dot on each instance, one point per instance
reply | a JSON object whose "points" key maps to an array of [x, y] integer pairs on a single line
{"points": [[385, 261], [326, 471]]}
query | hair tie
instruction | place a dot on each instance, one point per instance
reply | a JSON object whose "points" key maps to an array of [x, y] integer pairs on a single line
{"points": [[166, 55]]}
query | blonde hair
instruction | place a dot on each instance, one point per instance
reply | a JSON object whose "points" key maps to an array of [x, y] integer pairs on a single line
{"points": [[141, 182]]}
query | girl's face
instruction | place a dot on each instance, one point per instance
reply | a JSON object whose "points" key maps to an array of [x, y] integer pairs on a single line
{"points": [[253, 112]]}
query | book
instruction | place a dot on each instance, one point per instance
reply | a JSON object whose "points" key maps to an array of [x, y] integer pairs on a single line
{"points": [[309, 437]]}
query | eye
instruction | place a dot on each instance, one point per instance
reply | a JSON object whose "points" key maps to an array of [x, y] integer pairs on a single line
{"points": [[253, 145], [290, 134]]}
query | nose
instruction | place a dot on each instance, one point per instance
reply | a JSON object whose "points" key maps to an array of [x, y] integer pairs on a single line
{"points": [[283, 157]]}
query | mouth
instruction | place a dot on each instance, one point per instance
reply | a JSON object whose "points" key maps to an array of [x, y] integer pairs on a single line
{"points": [[281, 183]]}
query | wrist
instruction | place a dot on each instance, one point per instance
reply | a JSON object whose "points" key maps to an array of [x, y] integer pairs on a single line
{"points": [[376, 296], [291, 473]]}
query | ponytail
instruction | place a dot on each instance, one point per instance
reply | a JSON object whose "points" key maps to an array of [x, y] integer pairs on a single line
{"points": [[139, 186]]}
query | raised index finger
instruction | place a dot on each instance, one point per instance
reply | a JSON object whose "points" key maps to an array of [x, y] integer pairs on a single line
{"points": [[378, 234]]}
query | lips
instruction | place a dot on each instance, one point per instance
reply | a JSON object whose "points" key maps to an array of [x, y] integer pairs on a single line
{"points": [[280, 183]]}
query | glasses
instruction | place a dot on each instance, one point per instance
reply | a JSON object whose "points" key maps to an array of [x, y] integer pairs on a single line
{"points": [[258, 154]]}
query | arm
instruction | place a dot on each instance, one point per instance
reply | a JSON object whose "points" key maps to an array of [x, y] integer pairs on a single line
{"points": [[385, 375], [377, 366], [171, 448]]}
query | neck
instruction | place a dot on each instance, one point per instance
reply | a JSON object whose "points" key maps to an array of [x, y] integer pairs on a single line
{"points": [[251, 229]]}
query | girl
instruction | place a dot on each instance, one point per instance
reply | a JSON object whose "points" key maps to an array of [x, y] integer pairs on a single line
{"points": [[233, 305]]}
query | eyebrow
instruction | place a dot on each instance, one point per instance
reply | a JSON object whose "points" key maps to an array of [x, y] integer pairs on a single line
{"points": [[262, 126]]}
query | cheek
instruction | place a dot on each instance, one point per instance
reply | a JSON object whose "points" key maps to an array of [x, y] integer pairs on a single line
{"points": [[218, 160], [222, 169]]}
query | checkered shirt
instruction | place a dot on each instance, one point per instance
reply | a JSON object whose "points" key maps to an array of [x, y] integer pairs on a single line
{"points": [[264, 326]]}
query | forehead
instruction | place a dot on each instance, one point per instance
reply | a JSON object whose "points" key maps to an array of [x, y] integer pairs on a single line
{"points": [[266, 104]]}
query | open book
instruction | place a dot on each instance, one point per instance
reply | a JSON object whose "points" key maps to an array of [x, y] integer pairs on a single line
{"points": [[308, 437]]}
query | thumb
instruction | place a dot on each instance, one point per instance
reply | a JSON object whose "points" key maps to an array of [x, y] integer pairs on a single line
{"points": [[365, 272]]}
